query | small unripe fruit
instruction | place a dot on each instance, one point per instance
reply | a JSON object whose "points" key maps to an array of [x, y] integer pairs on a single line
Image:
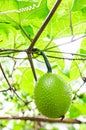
{"points": [[53, 96]]}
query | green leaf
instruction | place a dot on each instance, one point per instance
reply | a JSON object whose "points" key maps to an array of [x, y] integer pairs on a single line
{"points": [[7, 34], [77, 109], [8, 8], [83, 97], [29, 30], [74, 112], [83, 10], [27, 80], [82, 51], [59, 26], [35, 13], [78, 5], [74, 70]]}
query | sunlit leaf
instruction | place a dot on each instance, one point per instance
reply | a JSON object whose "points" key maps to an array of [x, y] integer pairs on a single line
{"points": [[79, 4], [27, 81]]}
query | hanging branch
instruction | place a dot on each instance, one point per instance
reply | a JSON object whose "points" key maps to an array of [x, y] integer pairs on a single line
{"points": [[67, 53], [65, 58], [68, 42], [43, 119], [32, 66], [10, 87], [9, 51], [56, 5], [5, 90], [84, 81]]}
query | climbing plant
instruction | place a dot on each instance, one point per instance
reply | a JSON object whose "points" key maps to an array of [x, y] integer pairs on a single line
{"points": [[57, 28]]}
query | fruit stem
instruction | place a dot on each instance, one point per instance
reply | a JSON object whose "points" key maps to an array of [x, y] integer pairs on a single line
{"points": [[45, 59], [46, 62]]}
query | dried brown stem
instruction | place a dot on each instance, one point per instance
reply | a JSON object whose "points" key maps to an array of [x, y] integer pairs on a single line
{"points": [[43, 119], [5, 90], [11, 50], [10, 87], [32, 66], [5, 77], [68, 42]]}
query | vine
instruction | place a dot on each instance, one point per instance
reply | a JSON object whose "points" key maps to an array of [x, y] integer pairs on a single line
{"points": [[30, 51]]}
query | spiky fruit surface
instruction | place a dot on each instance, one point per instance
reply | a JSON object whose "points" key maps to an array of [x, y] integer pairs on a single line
{"points": [[52, 95]]}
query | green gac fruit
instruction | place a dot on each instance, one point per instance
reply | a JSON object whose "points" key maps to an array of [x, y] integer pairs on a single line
{"points": [[53, 96]]}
